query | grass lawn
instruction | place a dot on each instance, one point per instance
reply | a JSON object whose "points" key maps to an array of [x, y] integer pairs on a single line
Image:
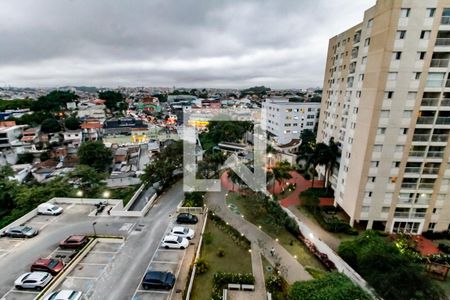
{"points": [[124, 193], [341, 236], [256, 215], [236, 260]]}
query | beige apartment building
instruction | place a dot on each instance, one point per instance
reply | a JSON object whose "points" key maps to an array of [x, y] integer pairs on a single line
{"points": [[386, 102]]}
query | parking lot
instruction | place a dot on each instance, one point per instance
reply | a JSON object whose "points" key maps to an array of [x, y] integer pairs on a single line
{"points": [[91, 268], [169, 260]]}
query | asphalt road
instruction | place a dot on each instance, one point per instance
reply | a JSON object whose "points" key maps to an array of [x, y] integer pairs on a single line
{"points": [[127, 269]]}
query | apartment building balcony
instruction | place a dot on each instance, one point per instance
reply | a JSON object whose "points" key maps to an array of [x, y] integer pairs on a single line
{"points": [[425, 120], [421, 138], [414, 170], [409, 215], [442, 138], [430, 102], [442, 41], [445, 20], [439, 63], [443, 120]]}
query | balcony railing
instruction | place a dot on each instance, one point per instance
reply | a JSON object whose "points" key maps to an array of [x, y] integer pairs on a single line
{"points": [[425, 120], [439, 63], [445, 20], [442, 42], [435, 154], [430, 102], [432, 171], [408, 185], [426, 186], [417, 153], [409, 215], [443, 120], [405, 200], [435, 83], [439, 138], [445, 102], [412, 170], [421, 137]]}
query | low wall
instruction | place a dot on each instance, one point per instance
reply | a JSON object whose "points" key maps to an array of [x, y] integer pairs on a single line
{"points": [[340, 264], [191, 210], [135, 196], [197, 255], [21, 220]]}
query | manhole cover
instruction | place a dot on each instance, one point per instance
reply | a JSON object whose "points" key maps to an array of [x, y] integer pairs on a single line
{"points": [[269, 268]]}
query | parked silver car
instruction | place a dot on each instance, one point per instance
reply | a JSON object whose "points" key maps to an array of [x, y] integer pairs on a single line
{"points": [[21, 232], [64, 295], [33, 280]]}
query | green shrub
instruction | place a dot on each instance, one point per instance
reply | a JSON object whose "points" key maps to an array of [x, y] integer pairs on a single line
{"points": [[444, 248], [220, 252], [201, 266], [207, 238], [274, 283]]}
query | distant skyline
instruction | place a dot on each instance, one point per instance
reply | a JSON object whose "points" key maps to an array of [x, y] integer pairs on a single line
{"points": [[189, 43]]}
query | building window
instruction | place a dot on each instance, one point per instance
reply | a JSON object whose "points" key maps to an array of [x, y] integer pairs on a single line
{"points": [[388, 95], [374, 164], [396, 164], [372, 179], [400, 35], [407, 114], [416, 75], [404, 12], [431, 12], [421, 55], [425, 34], [367, 42], [365, 209], [399, 148], [396, 55], [384, 114], [370, 23], [381, 130], [385, 209], [364, 60], [405, 130], [377, 148]]}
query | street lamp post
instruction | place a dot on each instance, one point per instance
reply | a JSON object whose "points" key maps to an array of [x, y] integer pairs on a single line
{"points": [[93, 226], [80, 194]]}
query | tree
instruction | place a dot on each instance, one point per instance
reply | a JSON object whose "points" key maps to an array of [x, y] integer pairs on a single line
{"points": [[308, 143], [389, 271], [332, 285], [89, 180], [50, 125], [333, 151], [72, 123], [281, 172], [96, 155], [53, 101], [320, 156], [112, 98]]}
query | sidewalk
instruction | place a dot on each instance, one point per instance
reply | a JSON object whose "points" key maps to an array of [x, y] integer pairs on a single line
{"points": [[290, 268], [332, 241]]}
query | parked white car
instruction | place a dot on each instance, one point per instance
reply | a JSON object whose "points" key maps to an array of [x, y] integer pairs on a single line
{"points": [[184, 232], [175, 242], [49, 209], [33, 280], [64, 295]]}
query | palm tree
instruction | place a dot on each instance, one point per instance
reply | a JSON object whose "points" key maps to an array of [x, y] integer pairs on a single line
{"points": [[280, 173], [334, 154], [320, 156]]}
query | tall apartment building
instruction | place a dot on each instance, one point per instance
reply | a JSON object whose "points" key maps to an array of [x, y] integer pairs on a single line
{"points": [[286, 119], [386, 102]]}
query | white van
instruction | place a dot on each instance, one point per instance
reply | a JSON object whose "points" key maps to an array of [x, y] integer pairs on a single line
{"points": [[49, 209]]}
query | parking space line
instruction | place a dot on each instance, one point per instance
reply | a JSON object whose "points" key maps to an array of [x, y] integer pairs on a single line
{"points": [[103, 252], [152, 291], [165, 262], [92, 264], [178, 271], [82, 277]]}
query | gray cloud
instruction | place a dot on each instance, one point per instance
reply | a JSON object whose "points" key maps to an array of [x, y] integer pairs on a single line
{"points": [[220, 43]]}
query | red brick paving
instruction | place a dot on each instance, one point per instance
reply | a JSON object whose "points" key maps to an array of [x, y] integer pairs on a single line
{"points": [[293, 198], [425, 246]]}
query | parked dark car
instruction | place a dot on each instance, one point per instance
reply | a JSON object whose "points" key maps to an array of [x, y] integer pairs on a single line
{"points": [[49, 265], [21, 232], [158, 280], [187, 219], [74, 242]]}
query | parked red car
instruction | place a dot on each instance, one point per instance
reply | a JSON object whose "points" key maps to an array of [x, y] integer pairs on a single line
{"points": [[74, 242], [49, 265]]}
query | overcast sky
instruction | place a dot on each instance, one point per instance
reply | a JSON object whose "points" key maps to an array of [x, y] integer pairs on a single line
{"points": [[190, 43]]}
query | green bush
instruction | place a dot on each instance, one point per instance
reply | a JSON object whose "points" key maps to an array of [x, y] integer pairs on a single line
{"points": [[201, 265], [220, 252], [221, 279], [274, 283], [444, 248], [207, 238], [193, 199]]}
